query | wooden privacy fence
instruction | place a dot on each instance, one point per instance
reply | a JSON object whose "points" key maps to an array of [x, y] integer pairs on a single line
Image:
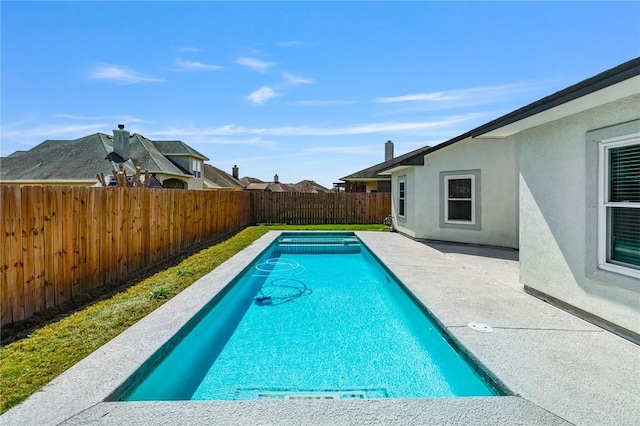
{"points": [[60, 242], [297, 208]]}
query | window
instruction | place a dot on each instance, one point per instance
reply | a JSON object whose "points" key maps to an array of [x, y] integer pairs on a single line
{"points": [[459, 203], [197, 168], [619, 205], [460, 192], [401, 197]]}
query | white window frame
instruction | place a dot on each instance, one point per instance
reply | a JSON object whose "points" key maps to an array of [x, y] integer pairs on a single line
{"points": [[402, 199], [447, 199], [603, 205], [197, 168]]}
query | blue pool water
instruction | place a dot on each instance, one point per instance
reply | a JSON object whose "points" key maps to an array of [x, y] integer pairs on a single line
{"points": [[313, 318]]}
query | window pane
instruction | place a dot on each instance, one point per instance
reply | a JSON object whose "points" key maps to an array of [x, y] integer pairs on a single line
{"points": [[401, 208], [460, 210], [625, 235], [459, 188], [624, 173]]}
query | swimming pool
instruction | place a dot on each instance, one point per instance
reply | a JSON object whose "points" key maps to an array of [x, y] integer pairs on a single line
{"points": [[314, 317]]}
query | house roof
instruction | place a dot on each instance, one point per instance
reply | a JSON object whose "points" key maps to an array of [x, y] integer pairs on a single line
{"points": [[282, 187], [253, 184], [608, 86], [247, 180], [81, 159], [143, 153], [257, 186], [220, 178], [371, 173], [48, 159], [310, 186], [177, 149]]}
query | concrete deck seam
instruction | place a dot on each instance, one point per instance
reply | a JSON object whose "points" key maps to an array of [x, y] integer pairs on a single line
{"points": [[82, 411], [544, 409]]}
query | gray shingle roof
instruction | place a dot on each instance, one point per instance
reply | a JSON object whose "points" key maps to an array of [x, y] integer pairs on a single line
{"points": [[143, 153], [177, 148], [83, 158], [79, 159], [220, 177], [310, 186], [371, 173]]}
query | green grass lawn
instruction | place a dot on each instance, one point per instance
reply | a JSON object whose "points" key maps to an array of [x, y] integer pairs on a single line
{"points": [[28, 364]]}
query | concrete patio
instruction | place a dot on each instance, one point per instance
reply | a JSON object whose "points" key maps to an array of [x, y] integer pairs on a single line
{"points": [[560, 369]]}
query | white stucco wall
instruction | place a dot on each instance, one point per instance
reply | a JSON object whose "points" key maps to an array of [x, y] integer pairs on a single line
{"points": [[497, 207], [406, 224], [557, 191]]}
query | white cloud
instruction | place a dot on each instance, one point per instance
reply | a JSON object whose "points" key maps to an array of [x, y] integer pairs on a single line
{"points": [[254, 64], [294, 79], [292, 43], [54, 131], [121, 74], [435, 96], [234, 141], [262, 94], [114, 118], [360, 129], [471, 96], [196, 66]]}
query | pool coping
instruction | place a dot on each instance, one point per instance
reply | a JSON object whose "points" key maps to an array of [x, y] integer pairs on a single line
{"points": [[78, 395]]}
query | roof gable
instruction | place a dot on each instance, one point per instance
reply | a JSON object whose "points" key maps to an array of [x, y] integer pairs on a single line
{"points": [[177, 149]]}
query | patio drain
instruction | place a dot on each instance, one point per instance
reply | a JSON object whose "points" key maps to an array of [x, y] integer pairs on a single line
{"points": [[479, 327]]}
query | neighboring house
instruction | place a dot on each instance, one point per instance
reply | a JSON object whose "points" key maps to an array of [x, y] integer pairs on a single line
{"points": [[370, 179], [253, 184], [310, 186], [216, 179], [173, 164], [560, 180]]}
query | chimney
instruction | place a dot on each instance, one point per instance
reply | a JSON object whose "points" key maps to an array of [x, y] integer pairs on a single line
{"points": [[235, 171], [388, 151], [275, 179], [121, 142]]}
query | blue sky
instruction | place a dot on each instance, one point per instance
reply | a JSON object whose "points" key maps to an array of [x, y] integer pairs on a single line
{"points": [[307, 90]]}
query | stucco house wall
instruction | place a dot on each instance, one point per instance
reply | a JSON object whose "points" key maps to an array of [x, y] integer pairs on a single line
{"points": [[492, 162], [558, 217], [404, 224]]}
